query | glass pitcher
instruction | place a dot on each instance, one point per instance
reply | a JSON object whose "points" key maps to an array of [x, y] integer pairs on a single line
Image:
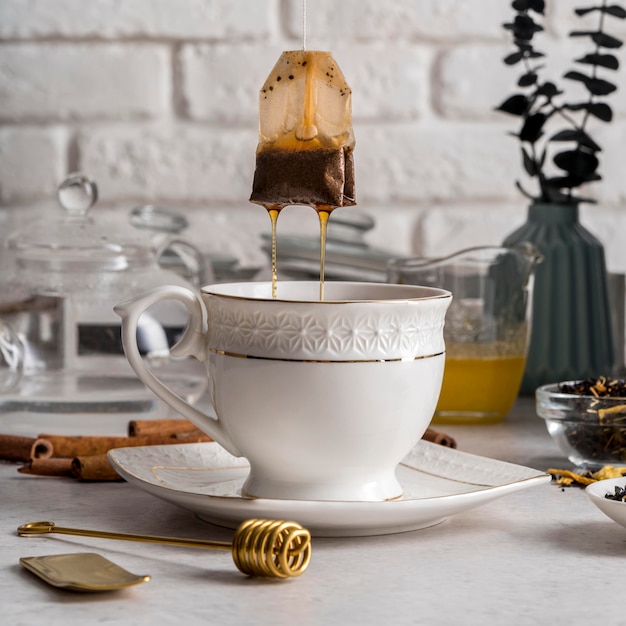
{"points": [[487, 326]]}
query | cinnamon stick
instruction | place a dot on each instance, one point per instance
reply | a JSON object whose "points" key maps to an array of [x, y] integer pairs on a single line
{"points": [[94, 468], [163, 427], [71, 446], [87, 468], [438, 437], [17, 448], [47, 467]]}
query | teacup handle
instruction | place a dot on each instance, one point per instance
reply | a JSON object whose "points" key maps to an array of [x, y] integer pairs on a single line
{"points": [[190, 344]]}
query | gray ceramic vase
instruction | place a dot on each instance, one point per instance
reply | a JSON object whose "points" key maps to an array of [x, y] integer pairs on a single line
{"points": [[571, 334]]}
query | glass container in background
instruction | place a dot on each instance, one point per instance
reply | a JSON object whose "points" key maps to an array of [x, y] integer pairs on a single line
{"points": [[487, 326], [62, 365]]}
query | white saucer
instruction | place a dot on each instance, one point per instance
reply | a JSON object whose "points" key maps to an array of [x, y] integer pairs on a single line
{"points": [[437, 482]]}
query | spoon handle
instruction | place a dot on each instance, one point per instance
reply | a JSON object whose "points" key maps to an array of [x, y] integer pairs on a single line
{"points": [[42, 528]]}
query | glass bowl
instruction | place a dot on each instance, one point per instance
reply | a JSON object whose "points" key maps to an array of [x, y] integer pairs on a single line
{"points": [[589, 430]]}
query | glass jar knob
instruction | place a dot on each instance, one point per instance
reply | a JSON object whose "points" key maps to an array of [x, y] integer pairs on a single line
{"points": [[77, 194]]}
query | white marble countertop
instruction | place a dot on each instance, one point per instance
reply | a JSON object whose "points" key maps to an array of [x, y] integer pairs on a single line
{"points": [[540, 556]]}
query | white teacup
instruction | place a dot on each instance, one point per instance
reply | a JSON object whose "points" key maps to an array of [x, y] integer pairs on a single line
{"points": [[324, 398]]}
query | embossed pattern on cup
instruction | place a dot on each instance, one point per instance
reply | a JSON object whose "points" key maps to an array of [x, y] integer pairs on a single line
{"points": [[300, 328]]}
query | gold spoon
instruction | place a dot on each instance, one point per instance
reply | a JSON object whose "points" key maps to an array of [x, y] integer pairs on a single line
{"points": [[81, 572], [270, 548]]}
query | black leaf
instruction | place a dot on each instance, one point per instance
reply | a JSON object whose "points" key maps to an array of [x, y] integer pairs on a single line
{"points": [[579, 136], [583, 78], [565, 135], [548, 89], [598, 109], [533, 127], [583, 33], [606, 41], [603, 60], [596, 86], [529, 164], [523, 27], [515, 105], [600, 87], [577, 163], [598, 37], [537, 5], [565, 181], [616, 11], [513, 58], [530, 78], [571, 181]]}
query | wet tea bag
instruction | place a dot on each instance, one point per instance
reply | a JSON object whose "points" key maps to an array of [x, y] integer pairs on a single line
{"points": [[304, 155]]}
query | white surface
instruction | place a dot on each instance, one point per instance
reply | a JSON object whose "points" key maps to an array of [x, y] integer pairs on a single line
{"points": [[436, 482], [541, 556]]}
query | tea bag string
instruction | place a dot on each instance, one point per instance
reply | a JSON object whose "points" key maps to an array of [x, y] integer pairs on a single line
{"points": [[304, 24]]}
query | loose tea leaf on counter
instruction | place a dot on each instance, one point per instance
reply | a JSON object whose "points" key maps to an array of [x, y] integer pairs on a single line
{"points": [[568, 478]]}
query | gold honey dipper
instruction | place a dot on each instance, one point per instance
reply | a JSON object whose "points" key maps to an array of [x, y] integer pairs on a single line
{"points": [[269, 548]]}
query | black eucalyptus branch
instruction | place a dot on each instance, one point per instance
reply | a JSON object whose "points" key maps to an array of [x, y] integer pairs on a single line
{"points": [[537, 102]]}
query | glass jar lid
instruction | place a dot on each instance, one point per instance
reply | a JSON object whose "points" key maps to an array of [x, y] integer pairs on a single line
{"points": [[73, 239]]}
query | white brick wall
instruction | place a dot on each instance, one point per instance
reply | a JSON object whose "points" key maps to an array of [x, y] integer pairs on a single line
{"points": [[157, 100]]}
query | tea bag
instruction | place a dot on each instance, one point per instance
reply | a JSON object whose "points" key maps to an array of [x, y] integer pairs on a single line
{"points": [[304, 155]]}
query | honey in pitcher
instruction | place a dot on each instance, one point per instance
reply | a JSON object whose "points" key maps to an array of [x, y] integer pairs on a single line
{"points": [[478, 389]]}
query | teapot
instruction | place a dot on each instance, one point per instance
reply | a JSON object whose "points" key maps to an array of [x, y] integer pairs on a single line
{"points": [[62, 276]]}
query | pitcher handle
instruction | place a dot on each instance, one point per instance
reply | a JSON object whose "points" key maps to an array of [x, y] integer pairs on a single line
{"points": [[190, 344]]}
